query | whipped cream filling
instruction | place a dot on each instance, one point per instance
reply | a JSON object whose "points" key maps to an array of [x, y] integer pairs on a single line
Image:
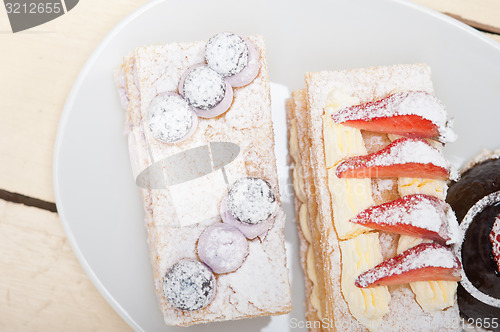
{"points": [[432, 295], [298, 184], [359, 252]]}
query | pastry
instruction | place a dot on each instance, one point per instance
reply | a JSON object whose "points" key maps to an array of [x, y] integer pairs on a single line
{"points": [[211, 197], [305, 207], [475, 198], [369, 179]]}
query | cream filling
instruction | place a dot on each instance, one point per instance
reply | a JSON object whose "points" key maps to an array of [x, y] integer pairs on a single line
{"points": [[349, 196], [298, 184], [367, 305], [409, 186], [432, 295], [303, 217], [311, 273], [297, 172], [359, 251]]}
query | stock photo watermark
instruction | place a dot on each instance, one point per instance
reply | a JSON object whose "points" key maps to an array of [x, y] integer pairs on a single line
{"points": [[198, 175], [325, 323], [26, 14]]}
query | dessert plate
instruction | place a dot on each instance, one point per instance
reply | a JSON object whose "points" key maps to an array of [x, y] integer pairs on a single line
{"points": [[96, 197]]}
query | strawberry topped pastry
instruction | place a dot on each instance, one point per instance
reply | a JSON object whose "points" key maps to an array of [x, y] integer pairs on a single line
{"points": [[416, 126], [410, 113], [405, 157], [377, 235], [417, 215], [417, 115], [427, 261]]}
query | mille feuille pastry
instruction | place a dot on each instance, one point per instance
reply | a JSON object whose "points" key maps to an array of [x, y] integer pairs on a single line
{"points": [[369, 179], [304, 201], [476, 200], [200, 135]]}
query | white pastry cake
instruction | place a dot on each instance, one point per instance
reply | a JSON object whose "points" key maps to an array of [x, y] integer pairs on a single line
{"points": [[370, 183], [201, 143]]}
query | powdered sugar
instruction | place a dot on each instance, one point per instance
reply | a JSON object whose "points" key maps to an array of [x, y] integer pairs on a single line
{"points": [[380, 186], [251, 70], [121, 83], [477, 208], [483, 156], [495, 241], [400, 152], [453, 227], [251, 200], [421, 211], [406, 150], [431, 256], [365, 84], [226, 53], [189, 285], [222, 247], [251, 231], [425, 255], [170, 117], [419, 103], [203, 87], [264, 271]]}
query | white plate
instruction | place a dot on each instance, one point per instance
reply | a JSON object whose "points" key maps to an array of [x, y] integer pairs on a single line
{"points": [[96, 196]]}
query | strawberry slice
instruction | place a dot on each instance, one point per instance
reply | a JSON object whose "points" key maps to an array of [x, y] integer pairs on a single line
{"points": [[405, 157], [417, 215], [410, 125], [424, 262], [411, 113], [495, 241]]}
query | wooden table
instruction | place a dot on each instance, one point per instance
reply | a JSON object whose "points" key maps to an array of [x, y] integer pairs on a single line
{"points": [[42, 286]]}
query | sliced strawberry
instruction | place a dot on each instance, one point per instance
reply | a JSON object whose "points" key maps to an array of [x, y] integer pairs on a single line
{"points": [[417, 215], [406, 125], [495, 241], [424, 262], [411, 113], [405, 157]]}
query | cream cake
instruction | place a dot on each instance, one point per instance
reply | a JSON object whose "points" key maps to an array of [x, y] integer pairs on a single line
{"points": [[475, 198], [211, 197], [370, 182]]}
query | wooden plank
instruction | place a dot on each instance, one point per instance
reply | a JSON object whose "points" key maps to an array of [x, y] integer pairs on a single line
{"points": [[481, 14], [38, 68], [42, 285]]}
